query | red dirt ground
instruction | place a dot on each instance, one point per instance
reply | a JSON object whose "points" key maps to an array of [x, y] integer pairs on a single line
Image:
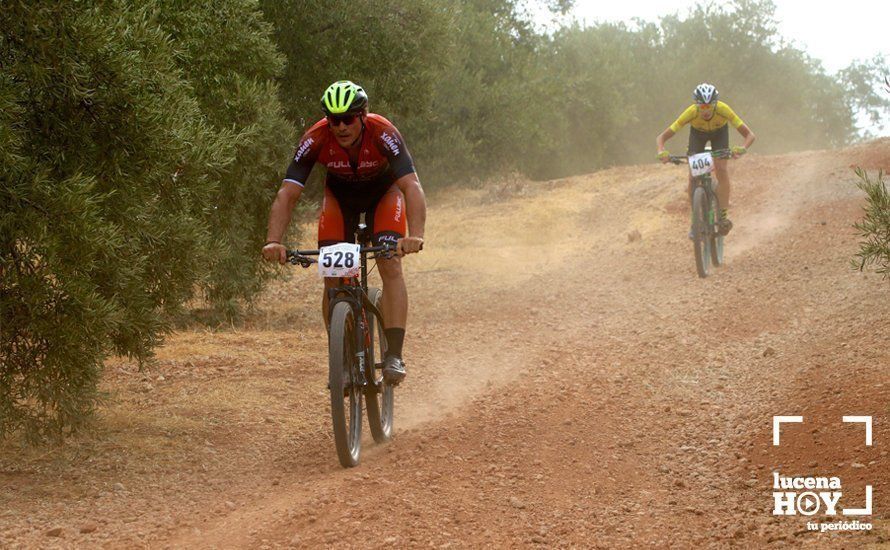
{"points": [[567, 387]]}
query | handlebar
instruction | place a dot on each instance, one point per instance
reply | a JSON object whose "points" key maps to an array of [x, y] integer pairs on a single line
{"points": [[302, 258], [719, 153]]}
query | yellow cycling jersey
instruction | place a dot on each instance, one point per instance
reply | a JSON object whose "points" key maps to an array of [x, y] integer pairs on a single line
{"points": [[722, 114]]}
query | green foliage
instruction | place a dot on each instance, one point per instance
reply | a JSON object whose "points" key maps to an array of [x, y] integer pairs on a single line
{"points": [[118, 165], [392, 50], [483, 117], [638, 79], [863, 81], [225, 52], [142, 142], [874, 228], [476, 90]]}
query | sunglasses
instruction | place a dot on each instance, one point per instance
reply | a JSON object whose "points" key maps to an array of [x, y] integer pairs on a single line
{"points": [[705, 106], [336, 120]]}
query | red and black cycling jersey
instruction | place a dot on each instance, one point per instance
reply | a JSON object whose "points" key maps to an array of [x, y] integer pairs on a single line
{"points": [[383, 158]]}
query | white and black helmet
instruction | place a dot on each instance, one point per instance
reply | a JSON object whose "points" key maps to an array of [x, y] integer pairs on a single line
{"points": [[705, 93]]}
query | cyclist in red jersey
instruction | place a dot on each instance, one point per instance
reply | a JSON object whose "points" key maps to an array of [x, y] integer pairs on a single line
{"points": [[369, 170]]}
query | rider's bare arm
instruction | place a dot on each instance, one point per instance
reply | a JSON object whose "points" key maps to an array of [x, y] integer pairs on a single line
{"points": [[279, 218], [660, 141], [415, 204], [747, 134], [662, 138]]}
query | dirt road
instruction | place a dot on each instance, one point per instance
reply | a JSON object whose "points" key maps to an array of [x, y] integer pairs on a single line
{"points": [[568, 387]]}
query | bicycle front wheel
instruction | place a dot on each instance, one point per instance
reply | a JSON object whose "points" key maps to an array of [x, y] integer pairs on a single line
{"points": [[716, 237], [346, 391], [379, 396], [700, 234]]}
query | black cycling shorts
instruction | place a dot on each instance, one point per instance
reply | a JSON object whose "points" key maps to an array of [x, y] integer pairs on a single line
{"points": [[719, 139]]}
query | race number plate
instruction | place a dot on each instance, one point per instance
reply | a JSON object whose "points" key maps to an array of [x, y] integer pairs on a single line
{"points": [[701, 164], [339, 260]]}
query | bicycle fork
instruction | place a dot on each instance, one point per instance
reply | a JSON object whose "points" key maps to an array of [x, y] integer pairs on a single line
{"points": [[713, 215], [361, 342]]}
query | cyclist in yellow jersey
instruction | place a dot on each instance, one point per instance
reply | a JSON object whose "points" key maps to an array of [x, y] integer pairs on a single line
{"points": [[709, 120]]}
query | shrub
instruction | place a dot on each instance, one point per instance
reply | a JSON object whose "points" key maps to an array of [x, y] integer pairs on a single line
{"points": [[874, 228]]}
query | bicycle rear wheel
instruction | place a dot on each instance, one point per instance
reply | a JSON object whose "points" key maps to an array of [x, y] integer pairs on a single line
{"points": [[346, 393], [716, 237], [700, 239], [379, 397]]}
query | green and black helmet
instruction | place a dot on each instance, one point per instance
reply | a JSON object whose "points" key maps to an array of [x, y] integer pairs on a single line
{"points": [[344, 97]]}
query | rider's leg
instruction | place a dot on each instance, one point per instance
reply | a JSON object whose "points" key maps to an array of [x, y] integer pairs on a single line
{"points": [[329, 282], [720, 141], [689, 194], [331, 230], [395, 303], [390, 224], [723, 186], [697, 142]]}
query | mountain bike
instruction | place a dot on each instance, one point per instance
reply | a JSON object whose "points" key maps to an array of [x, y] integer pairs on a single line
{"points": [[707, 215], [356, 334]]}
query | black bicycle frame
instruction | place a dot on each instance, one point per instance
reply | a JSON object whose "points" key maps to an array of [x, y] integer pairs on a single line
{"points": [[356, 295], [706, 182]]}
